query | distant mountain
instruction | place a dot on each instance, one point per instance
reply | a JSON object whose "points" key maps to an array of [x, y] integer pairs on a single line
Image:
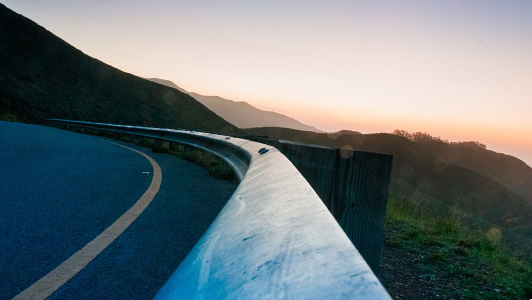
{"points": [[454, 177], [241, 114], [344, 132], [42, 77]]}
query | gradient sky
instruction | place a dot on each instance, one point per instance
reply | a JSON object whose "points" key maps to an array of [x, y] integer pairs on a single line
{"points": [[457, 69]]}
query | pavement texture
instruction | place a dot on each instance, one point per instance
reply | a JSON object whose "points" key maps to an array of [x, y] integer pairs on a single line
{"points": [[59, 190]]}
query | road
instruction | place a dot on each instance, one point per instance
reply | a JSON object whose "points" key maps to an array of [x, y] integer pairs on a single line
{"points": [[60, 190]]}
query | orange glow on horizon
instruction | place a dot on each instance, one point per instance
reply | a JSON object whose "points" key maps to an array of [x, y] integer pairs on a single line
{"points": [[493, 135], [450, 68]]}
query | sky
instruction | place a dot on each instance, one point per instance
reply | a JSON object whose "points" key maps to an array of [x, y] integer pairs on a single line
{"points": [[457, 69]]}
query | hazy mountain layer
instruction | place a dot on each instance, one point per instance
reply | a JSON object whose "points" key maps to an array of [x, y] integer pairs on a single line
{"points": [[42, 77], [242, 114]]}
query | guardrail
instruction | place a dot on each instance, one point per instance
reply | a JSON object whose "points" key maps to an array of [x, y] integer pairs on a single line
{"points": [[352, 184], [274, 239]]}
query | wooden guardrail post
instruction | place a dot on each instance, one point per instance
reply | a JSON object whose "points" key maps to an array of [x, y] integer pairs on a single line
{"points": [[359, 200]]}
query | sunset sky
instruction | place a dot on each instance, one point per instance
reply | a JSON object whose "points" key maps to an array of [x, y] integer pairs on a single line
{"points": [[461, 70]]}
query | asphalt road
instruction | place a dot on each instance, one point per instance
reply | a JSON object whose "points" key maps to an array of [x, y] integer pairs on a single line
{"points": [[59, 190]]}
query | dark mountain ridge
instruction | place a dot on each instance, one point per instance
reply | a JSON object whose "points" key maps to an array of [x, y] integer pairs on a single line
{"points": [[42, 77]]}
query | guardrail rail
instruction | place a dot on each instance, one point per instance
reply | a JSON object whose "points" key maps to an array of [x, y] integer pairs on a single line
{"points": [[274, 239]]}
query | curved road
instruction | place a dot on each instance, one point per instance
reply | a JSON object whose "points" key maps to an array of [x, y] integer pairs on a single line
{"points": [[59, 190]]}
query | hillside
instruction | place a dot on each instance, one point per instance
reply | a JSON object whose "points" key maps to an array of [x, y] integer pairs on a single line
{"points": [[242, 114], [507, 170], [420, 172], [433, 255], [42, 77]]}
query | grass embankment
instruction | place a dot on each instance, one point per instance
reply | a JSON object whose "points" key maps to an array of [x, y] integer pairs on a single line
{"points": [[431, 255]]}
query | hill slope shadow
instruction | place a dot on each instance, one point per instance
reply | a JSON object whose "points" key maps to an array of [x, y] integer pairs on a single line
{"points": [[42, 77]]}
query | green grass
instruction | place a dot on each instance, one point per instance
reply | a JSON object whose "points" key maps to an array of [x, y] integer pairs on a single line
{"points": [[215, 166], [144, 142], [9, 118], [473, 261]]}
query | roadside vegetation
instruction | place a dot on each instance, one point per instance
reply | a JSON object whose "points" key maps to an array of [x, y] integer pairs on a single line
{"points": [[9, 118], [436, 254], [215, 166]]}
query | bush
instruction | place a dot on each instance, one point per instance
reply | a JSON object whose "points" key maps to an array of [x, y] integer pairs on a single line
{"points": [[145, 142], [9, 118], [161, 147], [221, 170]]}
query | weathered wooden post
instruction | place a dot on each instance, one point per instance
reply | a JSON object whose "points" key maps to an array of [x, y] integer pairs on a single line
{"points": [[359, 200]]}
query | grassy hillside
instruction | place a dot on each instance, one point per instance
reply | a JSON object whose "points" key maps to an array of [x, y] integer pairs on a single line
{"points": [[242, 114], [432, 255], [421, 173], [42, 76]]}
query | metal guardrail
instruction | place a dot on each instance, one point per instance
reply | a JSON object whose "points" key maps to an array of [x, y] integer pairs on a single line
{"points": [[352, 184], [274, 239]]}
